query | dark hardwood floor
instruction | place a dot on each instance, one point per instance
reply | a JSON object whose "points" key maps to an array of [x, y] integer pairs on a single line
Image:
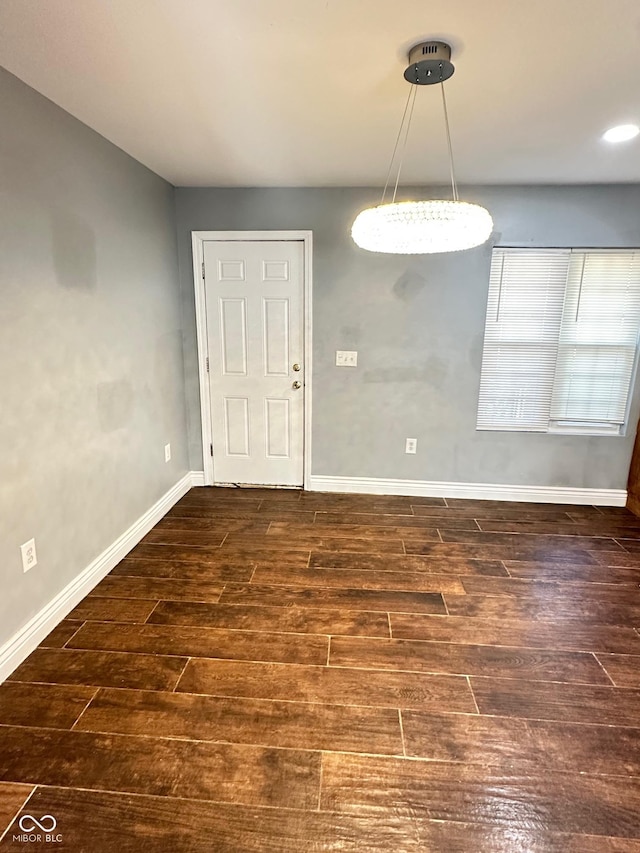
{"points": [[285, 671]]}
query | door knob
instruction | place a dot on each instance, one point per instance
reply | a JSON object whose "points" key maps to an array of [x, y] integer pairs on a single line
{"points": [[297, 384], [296, 367]]}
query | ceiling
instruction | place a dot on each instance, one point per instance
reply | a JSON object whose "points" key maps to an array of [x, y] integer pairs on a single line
{"points": [[310, 92]]}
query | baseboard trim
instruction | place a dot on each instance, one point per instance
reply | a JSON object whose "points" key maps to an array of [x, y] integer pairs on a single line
{"points": [[197, 478], [20, 646], [473, 491]]}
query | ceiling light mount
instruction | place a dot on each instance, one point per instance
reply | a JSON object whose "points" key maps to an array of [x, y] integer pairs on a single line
{"points": [[429, 63]]}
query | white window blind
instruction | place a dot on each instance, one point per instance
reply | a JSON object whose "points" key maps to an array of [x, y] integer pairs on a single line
{"points": [[526, 293], [560, 340]]}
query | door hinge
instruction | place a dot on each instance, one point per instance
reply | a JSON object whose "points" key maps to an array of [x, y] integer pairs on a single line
{"points": [[203, 269], [211, 449], [207, 362]]}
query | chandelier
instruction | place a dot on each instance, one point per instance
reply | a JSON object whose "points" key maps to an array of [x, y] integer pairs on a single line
{"points": [[422, 227]]}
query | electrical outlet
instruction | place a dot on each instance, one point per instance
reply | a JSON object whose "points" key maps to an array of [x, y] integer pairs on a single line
{"points": [[345, 358], [29, 556], [411, 445], [167, 452]]}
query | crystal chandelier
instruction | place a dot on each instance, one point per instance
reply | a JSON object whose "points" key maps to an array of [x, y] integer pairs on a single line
{"points": [[422, 227]]}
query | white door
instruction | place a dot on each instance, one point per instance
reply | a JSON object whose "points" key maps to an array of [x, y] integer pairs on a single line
{"points": [[254, 294]]}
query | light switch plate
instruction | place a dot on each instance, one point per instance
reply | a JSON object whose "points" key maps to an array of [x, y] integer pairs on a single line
{"points": [[346, 358]]}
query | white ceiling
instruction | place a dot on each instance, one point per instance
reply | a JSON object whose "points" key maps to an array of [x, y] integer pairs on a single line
{"points": [[310, 92]]}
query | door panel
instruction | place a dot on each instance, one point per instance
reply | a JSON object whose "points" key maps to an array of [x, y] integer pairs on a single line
{"points": [[255, 332], [233, 336], [277, 361], [236, 426], [278, 428]]}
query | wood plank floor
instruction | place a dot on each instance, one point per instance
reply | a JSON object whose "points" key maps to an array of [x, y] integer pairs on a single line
{"points": [[286, 671]]}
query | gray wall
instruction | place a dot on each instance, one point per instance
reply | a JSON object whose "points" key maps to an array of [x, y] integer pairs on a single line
{"points": [[417, 324], [91, 369]]}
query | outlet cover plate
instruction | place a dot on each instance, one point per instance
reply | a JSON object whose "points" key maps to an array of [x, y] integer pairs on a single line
{"points": [[167, 452], [29, 556], [411, 445]]}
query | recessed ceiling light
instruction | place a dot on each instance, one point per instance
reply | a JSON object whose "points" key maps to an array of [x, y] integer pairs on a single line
{"points": [[621, 133]]}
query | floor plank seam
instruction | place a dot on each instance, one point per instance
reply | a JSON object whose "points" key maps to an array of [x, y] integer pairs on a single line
{"points": [[391, 756], [66, 643], [473, 695], [606, 671], [391, 705], [320, 772], [248, 745], [175, 799], [179, 679], [146, 621], [24, 804], [404, 748], [77, 720]]}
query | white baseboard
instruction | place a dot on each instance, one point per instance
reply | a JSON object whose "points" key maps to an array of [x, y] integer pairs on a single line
{"points": [[197, 478], [473, 491], [20, 646]]}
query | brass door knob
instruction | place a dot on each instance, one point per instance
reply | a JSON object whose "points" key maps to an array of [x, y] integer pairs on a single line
{"points": [[296, 367], [297, 384]]}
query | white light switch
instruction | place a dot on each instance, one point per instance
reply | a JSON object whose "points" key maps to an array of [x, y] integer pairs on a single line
{"points": [[345, 358]]}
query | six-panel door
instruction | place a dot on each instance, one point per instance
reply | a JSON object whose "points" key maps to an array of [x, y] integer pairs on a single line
{"points": [[255, 332]]}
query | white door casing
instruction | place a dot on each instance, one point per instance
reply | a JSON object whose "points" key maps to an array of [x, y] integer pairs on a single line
{"points": [[255, 321]]}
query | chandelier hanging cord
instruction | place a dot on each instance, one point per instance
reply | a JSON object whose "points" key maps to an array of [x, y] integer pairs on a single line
{"points": [[404, 144], [395, 147], [454, 186], [408, 108]]}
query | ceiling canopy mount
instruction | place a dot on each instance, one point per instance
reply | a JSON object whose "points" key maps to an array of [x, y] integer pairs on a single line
{"points": [[429, 63]]}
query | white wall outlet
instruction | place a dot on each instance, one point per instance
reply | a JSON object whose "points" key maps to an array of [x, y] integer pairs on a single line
{"points": [[346, 358], [29, 556], [411, 445], [167, 452]]}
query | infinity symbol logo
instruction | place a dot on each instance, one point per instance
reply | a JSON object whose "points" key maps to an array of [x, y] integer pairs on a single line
{"points": [[47, 823]]}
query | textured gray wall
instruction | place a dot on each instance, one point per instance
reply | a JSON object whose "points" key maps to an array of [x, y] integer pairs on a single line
{"points": [[91, 369], [418, 326]]}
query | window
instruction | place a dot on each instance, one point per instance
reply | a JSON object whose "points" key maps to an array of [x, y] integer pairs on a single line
{"points": [[560, 340]]}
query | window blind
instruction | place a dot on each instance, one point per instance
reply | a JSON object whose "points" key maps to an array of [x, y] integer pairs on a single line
{"points": [[524, 311], [598, 337], [560, 340]]}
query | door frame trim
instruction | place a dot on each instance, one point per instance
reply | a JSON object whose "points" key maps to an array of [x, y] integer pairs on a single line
{"points": [[198, 239]]}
